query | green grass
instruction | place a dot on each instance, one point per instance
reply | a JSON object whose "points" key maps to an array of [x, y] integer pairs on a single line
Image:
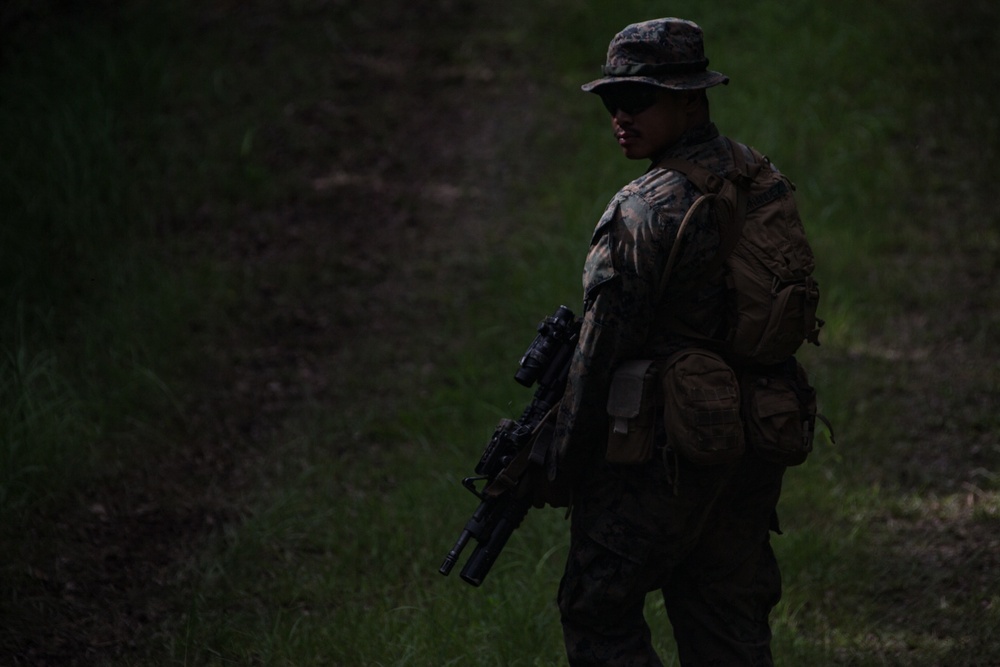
{"points": [[121, 141]]}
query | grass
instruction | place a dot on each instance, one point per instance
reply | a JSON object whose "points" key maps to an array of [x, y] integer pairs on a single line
{"points": [[63, 272], [353, 506]]}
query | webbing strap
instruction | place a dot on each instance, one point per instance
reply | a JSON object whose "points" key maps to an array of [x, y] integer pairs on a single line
{"points": [[713, 185]]}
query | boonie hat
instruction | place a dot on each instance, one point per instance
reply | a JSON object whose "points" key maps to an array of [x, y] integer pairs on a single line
{"points": [[668, 53]]}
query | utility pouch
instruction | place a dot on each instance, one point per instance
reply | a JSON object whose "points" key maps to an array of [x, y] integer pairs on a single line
{"points": [[633, 403], [701, 410], [780, 413]]}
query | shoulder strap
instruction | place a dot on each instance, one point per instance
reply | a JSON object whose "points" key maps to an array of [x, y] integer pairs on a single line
{"points": [[677, 239], [734, 189]]}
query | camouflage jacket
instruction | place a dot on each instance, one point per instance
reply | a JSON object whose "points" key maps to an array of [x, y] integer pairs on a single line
{"points": [[621, 281]]}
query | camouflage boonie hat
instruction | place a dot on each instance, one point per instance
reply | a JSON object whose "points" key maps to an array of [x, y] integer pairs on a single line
{"points": [[668, 53]]}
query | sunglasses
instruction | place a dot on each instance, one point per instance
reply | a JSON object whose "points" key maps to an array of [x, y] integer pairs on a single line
{"points": [[630, 99]]}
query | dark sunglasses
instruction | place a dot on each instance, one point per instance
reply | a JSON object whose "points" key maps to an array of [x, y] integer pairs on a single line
{"points": [[631, 99]]}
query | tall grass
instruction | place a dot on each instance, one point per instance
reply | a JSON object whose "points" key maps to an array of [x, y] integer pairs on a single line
{"points": [[68, 225], [94, 307]]}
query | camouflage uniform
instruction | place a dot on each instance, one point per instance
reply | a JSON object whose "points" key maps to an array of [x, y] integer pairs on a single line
{"points": [[700, 534]]}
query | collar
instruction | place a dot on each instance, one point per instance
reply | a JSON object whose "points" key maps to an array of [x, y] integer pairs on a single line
{"points": [[681, 147]]}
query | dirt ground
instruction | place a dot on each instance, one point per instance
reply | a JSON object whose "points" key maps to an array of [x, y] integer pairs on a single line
{"points": [[121, 546]]}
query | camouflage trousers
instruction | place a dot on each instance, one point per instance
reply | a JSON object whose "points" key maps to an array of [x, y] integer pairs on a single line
{"points": [[700, 535]]}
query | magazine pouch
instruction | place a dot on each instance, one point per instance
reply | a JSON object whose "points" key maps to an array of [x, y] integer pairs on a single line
{"points": [[701, 410], [780, 414], [633, 403]]}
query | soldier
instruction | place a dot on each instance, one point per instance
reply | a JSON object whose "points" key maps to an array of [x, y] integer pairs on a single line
{"points": [[698, 533]]}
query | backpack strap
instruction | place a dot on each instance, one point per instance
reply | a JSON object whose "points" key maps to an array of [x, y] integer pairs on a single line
{"points": [[677, 239], [731, 191], [733, 188]]}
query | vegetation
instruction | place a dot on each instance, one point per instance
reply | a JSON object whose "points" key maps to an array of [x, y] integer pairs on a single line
{"points": [[266, 270]]}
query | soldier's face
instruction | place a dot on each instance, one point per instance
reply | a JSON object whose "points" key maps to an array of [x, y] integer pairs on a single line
{"points": [[645, 120]]}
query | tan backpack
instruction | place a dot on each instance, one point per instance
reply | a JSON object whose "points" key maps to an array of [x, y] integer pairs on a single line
{"points": [[752, 394], [772, 296]]}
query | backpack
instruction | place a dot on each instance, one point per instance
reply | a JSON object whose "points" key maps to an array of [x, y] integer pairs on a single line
{"points": [[767, 262]]}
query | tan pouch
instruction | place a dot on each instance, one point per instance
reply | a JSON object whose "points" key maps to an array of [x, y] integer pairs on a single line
{"points": [[701, 410], [780, 415], [633, 403]]}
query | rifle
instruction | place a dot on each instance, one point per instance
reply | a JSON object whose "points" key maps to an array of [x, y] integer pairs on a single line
{"points": [[503, 501]]}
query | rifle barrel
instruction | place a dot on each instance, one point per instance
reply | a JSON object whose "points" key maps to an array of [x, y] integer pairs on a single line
{"points": [[482, 559]]}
